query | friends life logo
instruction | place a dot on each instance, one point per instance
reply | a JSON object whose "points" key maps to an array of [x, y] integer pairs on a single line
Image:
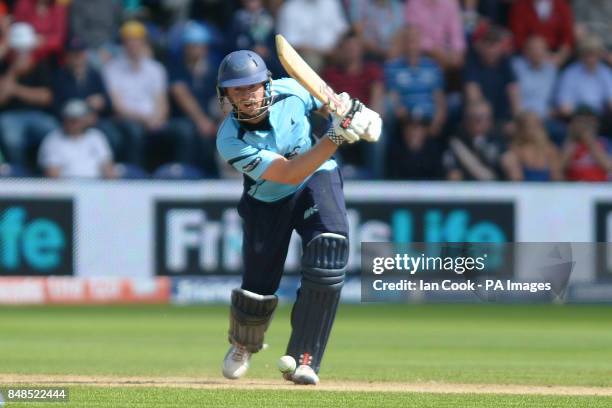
{"points": [[205, 238], [420, 227], [36, 237]]}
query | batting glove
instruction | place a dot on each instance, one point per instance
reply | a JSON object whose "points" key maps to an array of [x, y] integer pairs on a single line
{"points": [[338, 135], [360, 122]]}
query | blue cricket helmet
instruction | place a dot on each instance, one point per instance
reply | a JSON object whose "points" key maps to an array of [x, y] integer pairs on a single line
{"points": [[243, 68]]}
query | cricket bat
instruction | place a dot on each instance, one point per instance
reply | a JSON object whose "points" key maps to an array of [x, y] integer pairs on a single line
{"points": [[307, 77]]}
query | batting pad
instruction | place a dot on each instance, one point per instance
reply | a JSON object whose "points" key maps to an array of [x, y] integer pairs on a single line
{"points": [[250, 316], [314, 311]]}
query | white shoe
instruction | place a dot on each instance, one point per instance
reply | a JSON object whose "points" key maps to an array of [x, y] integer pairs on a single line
{"points": [[236, 362], [305, 375]]}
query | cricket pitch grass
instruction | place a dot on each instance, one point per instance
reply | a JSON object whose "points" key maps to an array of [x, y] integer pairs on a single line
{"points": [[379, 356]]}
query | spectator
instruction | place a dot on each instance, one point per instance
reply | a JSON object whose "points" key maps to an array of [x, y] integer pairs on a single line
{"points": [[137, 85], [586, 156], [253, 28], [313, 27], [76, 150], [95, 22], [536, 77], [488, 74], [413, 155], [551, 19], [441, 28], [378, 22], [593, 18], [478, 152], [362, 80], [192, 87], [77, 79], [538, 158], [49, 18], [25, 93], [415, 83], [586, 82], [353, 74]]}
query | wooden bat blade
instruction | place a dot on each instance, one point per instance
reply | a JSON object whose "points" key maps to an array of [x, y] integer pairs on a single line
{"points": [[307, 77]]}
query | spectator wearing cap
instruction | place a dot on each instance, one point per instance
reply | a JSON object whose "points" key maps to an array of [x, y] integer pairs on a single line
{"points": [[49, 18], [313, 27], [478, 152], [550, 19], [252, 28], [415, 83], [586, 82], [192, 88], [441, 27], [76, 149], [413, 155], [137, 85], [586, 156], [77, 79], [25, 95], [488, 75], [378, 22], [593, 18]]}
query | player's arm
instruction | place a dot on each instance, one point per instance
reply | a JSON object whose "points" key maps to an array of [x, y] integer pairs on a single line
{"points": [[52, 172], [257, 163], [296, 170]]}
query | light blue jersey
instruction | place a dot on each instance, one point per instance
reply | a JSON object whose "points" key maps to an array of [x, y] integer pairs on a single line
{"points": [[285, 133]]}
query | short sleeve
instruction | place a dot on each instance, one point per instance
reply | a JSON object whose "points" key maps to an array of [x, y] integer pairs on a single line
{"points": [[607, 84], [102, 148], [109, 76], [161, 79], [245, 158], [48, 154], [565, 95]]}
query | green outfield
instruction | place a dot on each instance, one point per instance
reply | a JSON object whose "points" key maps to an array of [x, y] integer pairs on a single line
{"points": [[171, 356]]}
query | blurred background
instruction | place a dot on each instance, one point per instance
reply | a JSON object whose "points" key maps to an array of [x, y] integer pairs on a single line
{"points": [[504, 107], [469, 90]]}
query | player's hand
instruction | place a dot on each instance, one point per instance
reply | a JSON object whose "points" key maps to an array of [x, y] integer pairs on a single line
{"points": [[360, 122], [338, 134]]}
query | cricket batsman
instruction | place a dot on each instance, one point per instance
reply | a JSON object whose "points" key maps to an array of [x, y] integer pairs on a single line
{"points": [[291, 183]]}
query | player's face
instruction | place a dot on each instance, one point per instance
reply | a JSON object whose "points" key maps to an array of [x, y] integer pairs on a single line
{"points": [[247, 99]]}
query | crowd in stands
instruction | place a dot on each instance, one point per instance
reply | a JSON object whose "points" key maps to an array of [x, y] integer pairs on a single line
{"points": [[517, 90]]}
